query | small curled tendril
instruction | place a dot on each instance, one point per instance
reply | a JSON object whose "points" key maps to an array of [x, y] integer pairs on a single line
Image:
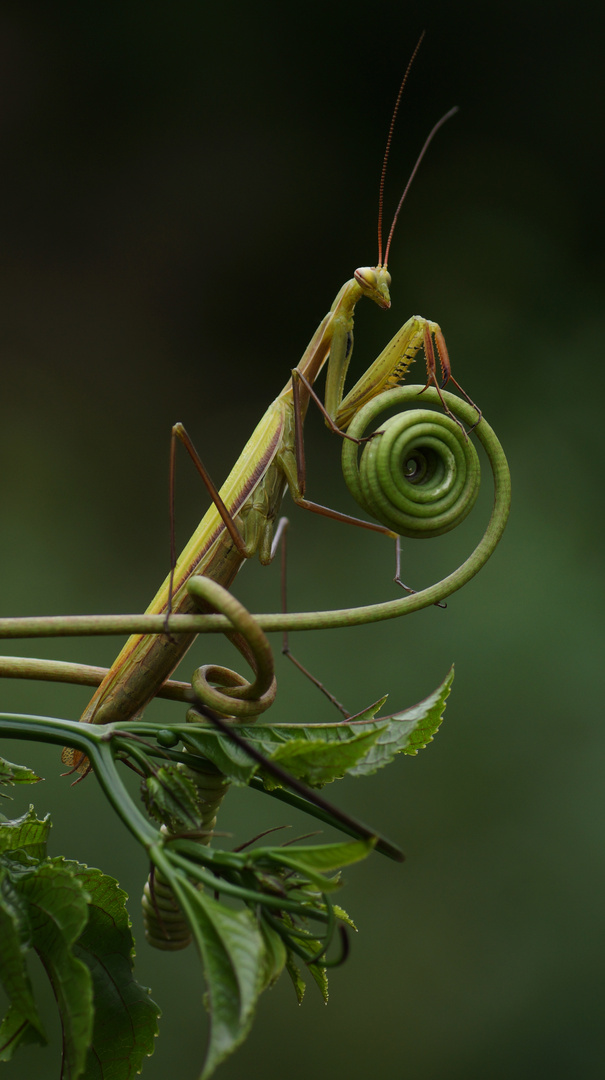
{"points": [[419, 475], [165, 925], [237, 696]]}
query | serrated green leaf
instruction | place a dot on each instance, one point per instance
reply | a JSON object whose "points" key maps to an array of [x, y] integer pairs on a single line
{"points": [[317, 857], [293, 971], [320, 761], [428, 715], [408, 731], [22, 1023], [275, 954], [11, 774], [27, 833], [311, 947], [76, 920], [16, 1031], [370, 712], [316, 755], [312, 751], [58, 914], [231, 760], [125, 1021], [314, 862], [233, 952], [341, 914], [320, 753], [320, 975]]}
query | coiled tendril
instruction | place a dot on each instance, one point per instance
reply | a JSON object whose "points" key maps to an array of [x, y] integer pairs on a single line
{"points": [[165, 925], [419, 475], [236, 696]]}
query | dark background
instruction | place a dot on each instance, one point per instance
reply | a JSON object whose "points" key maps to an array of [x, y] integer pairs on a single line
{"points": [[183, 190]]}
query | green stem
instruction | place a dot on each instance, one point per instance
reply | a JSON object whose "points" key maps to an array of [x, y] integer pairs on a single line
{"points": [[28, 667], [93, 742]]}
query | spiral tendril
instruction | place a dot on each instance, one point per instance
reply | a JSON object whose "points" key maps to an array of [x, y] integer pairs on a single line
{"points": [[419, 475], [237, 696], [165, 925]]}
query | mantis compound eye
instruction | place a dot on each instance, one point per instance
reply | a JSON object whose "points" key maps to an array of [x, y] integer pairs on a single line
{"points": [[367, 277]]}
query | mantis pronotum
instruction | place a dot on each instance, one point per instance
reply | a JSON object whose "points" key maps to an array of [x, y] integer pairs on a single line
{"points": [[240, 522]]}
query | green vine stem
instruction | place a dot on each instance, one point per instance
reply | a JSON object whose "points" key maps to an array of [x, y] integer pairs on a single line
{"points": [[94, 742], [76, 625], [29, 667]]}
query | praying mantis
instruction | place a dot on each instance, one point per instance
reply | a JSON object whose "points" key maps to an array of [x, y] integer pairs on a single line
{"points": [[240, 522]]}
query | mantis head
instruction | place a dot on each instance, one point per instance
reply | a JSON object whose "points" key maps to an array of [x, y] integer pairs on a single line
{"points": [[374, 281]]}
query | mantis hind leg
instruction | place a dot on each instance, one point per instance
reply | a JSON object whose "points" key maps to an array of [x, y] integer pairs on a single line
{"points": [[179, 432]]}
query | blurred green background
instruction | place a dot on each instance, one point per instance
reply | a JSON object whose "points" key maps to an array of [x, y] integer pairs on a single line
{"points": [[183, 190]]}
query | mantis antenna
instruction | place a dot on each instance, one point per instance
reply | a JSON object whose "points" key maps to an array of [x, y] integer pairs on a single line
{"points": [[427, 143], [388, 147]]}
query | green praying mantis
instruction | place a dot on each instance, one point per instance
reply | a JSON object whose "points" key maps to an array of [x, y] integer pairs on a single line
{"points": [[240, 523]]}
